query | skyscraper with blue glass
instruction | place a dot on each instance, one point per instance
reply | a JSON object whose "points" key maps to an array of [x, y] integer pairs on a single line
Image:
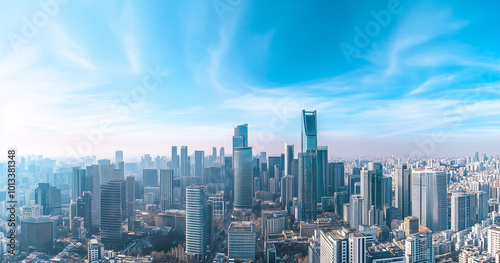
{"points": [[309, 131]]}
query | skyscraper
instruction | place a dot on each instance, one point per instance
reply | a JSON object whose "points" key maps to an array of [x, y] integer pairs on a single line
{"points": [[228, 179], [118, 156], [307, 204], [131, 202], [309, 131], [196, 222], [242, 131], [243, 177], [199, 160], [184, 161], [166, 188], [288, 159], [221, 155], [93, 171], [241, 240], [403, 190], [113, 214], [174, 165], [355, 211], [84, 209], [149, 177], [459, 211], [49, 198], [429, 198], [335, 178], [322, 172], [372, 191], [78, 184]]}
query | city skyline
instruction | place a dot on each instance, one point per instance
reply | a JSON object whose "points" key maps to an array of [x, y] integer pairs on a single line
{"points": [[431, 68]]}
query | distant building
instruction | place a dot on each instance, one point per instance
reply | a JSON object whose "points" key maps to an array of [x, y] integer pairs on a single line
{"points": [[49, 198]]}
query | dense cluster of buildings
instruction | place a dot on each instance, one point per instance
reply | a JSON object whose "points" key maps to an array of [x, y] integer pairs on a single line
{"points": [[250, 207]]}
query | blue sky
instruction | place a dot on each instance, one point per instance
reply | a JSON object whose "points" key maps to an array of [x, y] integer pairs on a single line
{"points": [[432, 68]]}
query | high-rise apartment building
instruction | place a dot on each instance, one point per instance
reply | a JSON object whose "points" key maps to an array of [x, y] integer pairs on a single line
{"points": [[196, 222]]}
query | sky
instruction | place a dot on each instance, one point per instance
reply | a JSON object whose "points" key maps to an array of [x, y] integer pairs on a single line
{"points": [[386, 77]]}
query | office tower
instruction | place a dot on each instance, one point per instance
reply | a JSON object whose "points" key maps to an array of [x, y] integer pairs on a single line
{"points": [[242, 131], [174, 165], [93, 171], [214, 154], [221, 155], [335, 179], [309, 131], [114, 217], [228, 179], [95, 251], [403, 187], [241, 240], [355, 211], [149, 177], [118, 156], [274, 162], [184, 161], [493, 240], [339, 199], [78, 184], [38, 233], [354, 178], [196, 222], [199, 159], [459, 211], [287, 191], [322, 172], [84, 209], [418, 248], [49, 198], [429, 198], [107, 172], [166, 188], [372, 191], [334, 247], [307, 204], [288, 159], [243, 178], [357, 248], [131, 202], [411, 225]]}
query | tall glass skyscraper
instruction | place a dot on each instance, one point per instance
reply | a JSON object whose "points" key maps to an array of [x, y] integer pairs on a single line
{"points": [[166, 188], [199, 160], [113, 214], [307, 204], [429, 198], [174, 163], [322, 178], [403, 190], [243, 177], [288, 159], [196, 222], [309, 131], [184, 161], [242, 131]]}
